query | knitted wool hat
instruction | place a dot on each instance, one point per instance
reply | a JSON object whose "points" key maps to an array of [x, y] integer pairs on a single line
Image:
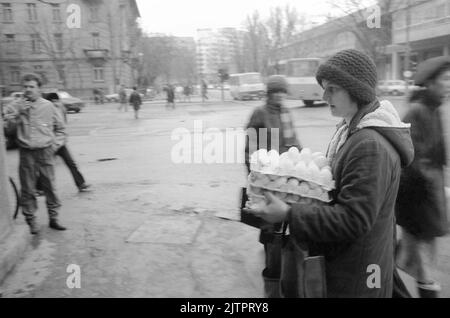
{"points": [[276, 84], [352, 70], [430, 68]]}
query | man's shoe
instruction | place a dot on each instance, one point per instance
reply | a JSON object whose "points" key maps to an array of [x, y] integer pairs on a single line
{"points": [[34, 228], [84, 188], [56, 226]]}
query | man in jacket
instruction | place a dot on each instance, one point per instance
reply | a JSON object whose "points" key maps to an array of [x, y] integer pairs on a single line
{"points": [[136, 102], [271, 119], [355, 233], [421, 204], [40, 133]]}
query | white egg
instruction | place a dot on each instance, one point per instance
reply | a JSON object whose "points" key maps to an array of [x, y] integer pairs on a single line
{"points": [[303, 189], [280, 181], [273, 154], [305, 157], [286, 166], [317, 193], [293, 151], [300, 169], [284, 156], [281, 195], [294, 154], [314, 171], [294, 183], [325, 176], [321, 161]]}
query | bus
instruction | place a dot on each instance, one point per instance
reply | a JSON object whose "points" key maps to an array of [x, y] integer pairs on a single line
{"points": [[301, 77], [246, 86]]}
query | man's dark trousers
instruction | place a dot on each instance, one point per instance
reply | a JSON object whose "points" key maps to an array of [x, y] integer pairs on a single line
{"points": [[34, 163], [64, 153]]}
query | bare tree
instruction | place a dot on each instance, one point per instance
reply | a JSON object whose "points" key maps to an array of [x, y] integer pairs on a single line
{"points": [[168, 58], [373, 40], [256, 42]]}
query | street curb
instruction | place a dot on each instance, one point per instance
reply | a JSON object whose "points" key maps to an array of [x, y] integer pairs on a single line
{"points": [[12, 249]]}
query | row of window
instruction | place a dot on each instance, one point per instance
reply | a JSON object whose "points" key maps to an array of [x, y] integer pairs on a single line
{"points": [[15, 74], [36, 42], [32, 12]]}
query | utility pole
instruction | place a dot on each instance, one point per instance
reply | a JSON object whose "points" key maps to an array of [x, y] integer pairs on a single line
{"points": [[407, 72]]}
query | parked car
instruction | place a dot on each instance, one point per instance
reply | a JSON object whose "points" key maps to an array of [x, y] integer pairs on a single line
{"points": [[114, 98], [395, 87], [13, 96], [71, 103]]}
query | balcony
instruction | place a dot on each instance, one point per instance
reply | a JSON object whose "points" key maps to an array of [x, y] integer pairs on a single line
{"points": [[96, 56]]}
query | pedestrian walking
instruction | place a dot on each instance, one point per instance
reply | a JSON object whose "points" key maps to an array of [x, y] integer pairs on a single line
{"points": [[187, 93], [204, 91], [170, 96], [421, 204], [64, 152], [136, 102], [272, 116], [40, 133], [123, 99], [354, 233]]}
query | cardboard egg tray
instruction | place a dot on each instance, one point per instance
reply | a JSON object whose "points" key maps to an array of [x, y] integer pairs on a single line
{"points": [[302, 198], [330, 186]]}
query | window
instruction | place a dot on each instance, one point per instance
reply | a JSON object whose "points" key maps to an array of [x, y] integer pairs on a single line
{"points": [[15, 74], [61, 72], [56, 12], [7, 12], [98, 74], [94, 10], [32, 12], [96, 40], [58, 41], [10, 43], [35, 43]]}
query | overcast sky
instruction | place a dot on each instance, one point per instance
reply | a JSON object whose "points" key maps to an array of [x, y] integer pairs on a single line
{"points": [[184, 17]]}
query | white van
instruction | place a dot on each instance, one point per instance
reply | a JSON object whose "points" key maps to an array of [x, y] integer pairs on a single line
{"points": [[246, 86]]}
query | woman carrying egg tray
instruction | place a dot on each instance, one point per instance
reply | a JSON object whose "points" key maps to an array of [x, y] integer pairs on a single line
{"points": [[355, 233]]}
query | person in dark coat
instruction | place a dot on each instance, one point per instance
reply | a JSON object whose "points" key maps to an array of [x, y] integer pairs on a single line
{"points": [[354, 233], [170, 96], [136, 102], [64, 152], [421, 204], [272, 115]]}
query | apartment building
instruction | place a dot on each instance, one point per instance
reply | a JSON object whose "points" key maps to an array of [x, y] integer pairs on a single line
{"points": [[75, 45]]}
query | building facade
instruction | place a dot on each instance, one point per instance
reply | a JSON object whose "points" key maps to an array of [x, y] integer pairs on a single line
{"points": [[421, 25], [424, 27], [219, 48], [76, 46]]}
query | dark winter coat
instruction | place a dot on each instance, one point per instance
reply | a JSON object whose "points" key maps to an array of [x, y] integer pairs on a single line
{"points": [[270, 116], [135, 100], [356, 229], [421, 204]]}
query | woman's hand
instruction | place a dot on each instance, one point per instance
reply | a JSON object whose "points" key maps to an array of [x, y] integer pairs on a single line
{"points": [[274, 211]]}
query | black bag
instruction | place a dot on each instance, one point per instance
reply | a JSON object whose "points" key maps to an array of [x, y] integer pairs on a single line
{"points": [[302, 276], [249, 218]]}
